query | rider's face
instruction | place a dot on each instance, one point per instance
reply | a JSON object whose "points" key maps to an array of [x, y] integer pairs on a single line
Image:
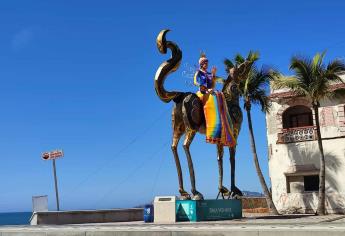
{"points": [[205, 65]]}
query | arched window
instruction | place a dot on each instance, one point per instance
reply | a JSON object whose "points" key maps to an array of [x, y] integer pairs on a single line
{"points": [[297, 116]]}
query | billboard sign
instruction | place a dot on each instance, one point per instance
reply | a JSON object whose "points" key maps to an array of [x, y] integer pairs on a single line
{"points": [[52, 155]]}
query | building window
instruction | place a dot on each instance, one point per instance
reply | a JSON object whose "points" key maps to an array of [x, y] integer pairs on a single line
{"points": [[302, 183], [297, 116], [311, 183]]}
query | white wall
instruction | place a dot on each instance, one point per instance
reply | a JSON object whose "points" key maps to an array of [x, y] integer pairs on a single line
{"points": [[283, 156]]}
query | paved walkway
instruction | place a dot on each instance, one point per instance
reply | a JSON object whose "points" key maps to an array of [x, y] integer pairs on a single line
{"points": [[282, 225]]}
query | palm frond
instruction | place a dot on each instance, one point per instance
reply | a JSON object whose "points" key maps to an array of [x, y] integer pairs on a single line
{"points": [[311, 77], [336, 94], [254, 88], [228, 64], [239, 59], [253, 56], [319, 88], [317, 61], [280, 81], [334, 69], [259, 80], [303, 69], [291, 83], [272, 70], [263, 100]]}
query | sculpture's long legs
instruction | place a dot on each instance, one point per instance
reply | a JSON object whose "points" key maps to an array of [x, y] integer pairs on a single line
{"points": [[221, 189], [176, 138], [220, 153], [232, 152], [234, 189], [188, 140]]}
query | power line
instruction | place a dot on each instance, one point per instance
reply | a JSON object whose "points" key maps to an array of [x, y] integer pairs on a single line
{"points": [[122, 150], [157, 175], [133, 172]]}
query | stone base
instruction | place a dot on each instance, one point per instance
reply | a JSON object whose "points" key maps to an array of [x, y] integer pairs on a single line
{"points": [[208, 210]]}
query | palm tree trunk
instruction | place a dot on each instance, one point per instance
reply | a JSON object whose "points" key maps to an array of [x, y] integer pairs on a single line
{"points": [[268, 196], [321, 209]]}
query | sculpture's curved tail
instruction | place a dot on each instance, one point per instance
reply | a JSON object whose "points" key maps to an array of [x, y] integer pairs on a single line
{"points": [[167, 67]]}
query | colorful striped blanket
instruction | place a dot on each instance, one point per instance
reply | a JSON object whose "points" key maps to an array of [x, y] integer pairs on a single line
{"points": [[219, 127]]}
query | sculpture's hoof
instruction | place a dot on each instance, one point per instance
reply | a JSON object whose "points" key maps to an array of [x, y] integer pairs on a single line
{"points": [[223, 190], [234, 196], [184, 195], [235, 193], [197, 196]]}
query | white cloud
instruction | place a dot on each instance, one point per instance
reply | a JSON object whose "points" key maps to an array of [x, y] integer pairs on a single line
{"points": [[22, 39]]}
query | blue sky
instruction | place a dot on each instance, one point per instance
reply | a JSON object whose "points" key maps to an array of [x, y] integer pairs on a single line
{"points": [[78, 75]]}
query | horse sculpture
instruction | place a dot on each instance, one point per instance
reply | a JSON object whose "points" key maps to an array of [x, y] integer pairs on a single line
{"points": [[188, 116]]}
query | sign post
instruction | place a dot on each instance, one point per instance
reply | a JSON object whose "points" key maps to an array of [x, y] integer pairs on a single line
{"points": [[56, 187], [52, 156]]}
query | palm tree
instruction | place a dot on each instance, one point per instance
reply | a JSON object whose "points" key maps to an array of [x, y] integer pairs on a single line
{"points": [[253, 91], [312, 79]]}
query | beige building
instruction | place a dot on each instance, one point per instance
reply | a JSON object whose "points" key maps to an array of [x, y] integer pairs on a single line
{"points": [[294, 154]]}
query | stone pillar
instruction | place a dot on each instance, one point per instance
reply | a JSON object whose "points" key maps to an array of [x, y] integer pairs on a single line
{"points": [[341, 119]]}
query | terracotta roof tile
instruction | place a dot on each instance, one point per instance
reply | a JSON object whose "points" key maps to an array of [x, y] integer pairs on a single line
{"points": [[290, 94]]}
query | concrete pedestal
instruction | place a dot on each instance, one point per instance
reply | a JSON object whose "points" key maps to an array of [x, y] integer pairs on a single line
{"points": [[164, 208]]}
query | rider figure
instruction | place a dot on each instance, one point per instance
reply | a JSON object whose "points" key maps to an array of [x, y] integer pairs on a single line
{"points": [[204, 79]]}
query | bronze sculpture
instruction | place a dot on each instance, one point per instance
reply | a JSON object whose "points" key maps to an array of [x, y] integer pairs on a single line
{"points": [[188, 117]]}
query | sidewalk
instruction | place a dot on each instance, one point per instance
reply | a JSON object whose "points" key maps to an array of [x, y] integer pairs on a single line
{"points": [[290, 225]]}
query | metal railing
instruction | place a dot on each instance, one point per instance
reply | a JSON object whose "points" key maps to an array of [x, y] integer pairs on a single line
{"points": [[298, 134]]}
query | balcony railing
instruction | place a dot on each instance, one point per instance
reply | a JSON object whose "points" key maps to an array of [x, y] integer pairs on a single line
{"points": [[298, 134]]}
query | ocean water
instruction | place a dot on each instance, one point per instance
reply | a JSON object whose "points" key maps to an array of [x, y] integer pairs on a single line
{"points": [[15, 218]]}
